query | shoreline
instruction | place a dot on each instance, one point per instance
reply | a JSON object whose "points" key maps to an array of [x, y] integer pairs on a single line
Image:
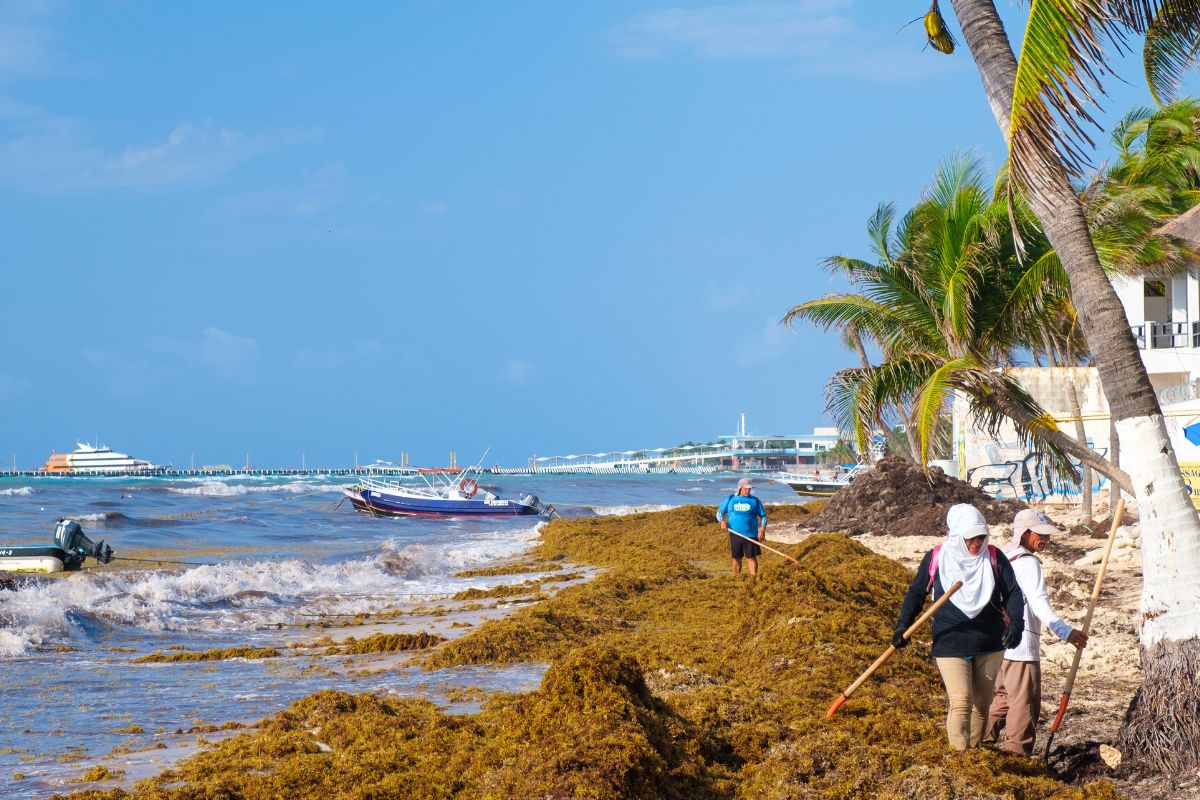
{"points": [[667, 677]]}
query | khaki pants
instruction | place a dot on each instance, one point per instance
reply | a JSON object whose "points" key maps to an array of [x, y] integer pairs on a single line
{"points": [[969, 685], [1016, 706]]}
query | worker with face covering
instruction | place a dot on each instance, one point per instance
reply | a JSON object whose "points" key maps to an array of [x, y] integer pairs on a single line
{"points": [[971, 631]]}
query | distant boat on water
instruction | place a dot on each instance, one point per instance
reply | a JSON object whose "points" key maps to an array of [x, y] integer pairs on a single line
{"points": [[436, 493], [813, 485], [89, 460]]}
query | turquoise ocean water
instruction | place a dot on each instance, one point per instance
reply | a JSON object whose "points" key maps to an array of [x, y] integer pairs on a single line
{"points": [[277, 554]]}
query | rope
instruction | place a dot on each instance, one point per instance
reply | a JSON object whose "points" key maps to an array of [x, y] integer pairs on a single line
{"points": [[165, 561]]}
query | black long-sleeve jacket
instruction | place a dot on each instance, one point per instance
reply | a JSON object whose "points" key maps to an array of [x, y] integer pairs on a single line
{"points": [[954, 633]]}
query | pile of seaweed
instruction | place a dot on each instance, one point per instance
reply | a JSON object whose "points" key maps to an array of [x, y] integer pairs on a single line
{"points": [[896, 497], [742, 671]]}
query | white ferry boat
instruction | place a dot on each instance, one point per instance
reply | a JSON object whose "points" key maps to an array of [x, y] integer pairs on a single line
{"points": [[92, 460]]}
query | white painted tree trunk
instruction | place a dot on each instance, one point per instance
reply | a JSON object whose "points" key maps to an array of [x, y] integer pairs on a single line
{"points": [[1162, 725], [1170, 548]]}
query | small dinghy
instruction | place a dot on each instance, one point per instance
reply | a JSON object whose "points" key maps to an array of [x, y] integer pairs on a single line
{"points": [[437, 494], [70, 549]]}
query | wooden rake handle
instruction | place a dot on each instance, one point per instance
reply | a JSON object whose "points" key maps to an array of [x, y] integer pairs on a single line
{"points": [[1087, 620], [767, 547], [879, 662]]}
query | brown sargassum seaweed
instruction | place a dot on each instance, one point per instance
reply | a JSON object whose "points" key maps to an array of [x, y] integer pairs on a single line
{"points": [[743, 672]]}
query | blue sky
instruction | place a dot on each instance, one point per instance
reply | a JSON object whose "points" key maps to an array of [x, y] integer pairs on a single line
{"points": [[431, 226]]}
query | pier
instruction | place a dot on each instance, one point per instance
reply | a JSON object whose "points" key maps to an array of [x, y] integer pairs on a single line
{"points": [[197, 473]]}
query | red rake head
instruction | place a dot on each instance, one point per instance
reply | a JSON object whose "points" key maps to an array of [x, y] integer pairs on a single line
{"points": [[836, 705]]}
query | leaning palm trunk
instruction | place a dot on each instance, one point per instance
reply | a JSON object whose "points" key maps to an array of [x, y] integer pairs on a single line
{"points": [[1085, 485], [1087, 457], [1162, 725]]}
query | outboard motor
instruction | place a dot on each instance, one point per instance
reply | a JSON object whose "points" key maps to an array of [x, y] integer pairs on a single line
{"points": [[71, 538], [544, 509]]}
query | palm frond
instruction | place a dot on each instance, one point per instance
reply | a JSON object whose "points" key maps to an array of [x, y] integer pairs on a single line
{"points": [[1172, 28], [1058, 76], [931, 401], [879, 228]]}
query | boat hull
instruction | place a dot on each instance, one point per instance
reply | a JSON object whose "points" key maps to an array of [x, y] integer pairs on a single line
{"points": [[815, 488], [32, 559], [370, 501]]}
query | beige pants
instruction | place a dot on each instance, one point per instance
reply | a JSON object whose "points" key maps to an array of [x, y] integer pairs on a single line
{"points": [[1016, 706], [969, 684]]}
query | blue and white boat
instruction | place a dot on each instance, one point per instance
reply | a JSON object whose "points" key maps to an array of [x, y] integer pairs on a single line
{"points": [[435, 493]]}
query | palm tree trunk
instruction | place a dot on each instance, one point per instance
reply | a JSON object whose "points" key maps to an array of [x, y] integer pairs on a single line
{"points": [[1114, 455], [1087, 456], [1162, 725], [1085, 485]]}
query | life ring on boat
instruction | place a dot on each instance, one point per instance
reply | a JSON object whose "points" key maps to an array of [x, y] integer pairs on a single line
{"points": [[468, 487]]}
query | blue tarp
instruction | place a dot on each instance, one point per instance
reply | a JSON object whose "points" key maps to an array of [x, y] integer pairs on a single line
{"points": [[1192, 432]]}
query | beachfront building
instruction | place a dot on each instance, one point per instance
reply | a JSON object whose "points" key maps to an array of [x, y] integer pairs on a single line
{"points": [[1164, 316], [778, 452], [741, 451]]}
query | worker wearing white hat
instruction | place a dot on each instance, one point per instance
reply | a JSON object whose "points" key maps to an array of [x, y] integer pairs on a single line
{"points": [[1018, 699]]}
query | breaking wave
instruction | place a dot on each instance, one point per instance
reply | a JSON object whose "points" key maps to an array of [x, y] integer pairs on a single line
{"points": [[236, 597], [621, 511], [20, 491], [222, 489]]}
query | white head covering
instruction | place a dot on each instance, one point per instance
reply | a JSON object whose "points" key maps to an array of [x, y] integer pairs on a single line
{"points": [[955, 563]]}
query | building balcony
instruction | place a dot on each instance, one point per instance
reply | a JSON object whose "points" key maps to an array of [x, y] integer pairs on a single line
{"points": [[1162, 335]]}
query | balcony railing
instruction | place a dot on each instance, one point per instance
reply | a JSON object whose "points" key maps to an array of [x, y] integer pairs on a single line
{"points": [[1158, 335]]}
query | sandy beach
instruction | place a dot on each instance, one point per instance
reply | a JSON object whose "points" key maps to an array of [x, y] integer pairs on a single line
{"points": [[668, 677], [1109, 672]]}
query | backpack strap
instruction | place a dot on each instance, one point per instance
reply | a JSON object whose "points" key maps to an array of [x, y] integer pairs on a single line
{"points": [[937, 552], [935, 556]]}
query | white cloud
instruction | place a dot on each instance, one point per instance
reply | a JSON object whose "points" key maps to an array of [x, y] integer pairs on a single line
{"points": [[818, 37], [318, 190], [435, 208], [507, 199], [125, 376], [41, 151], [746, 30], [11, 386], [28, 38], [218, 351], [516, 372], [360, 353], [161, 359], [772, 341], [727, 298]]}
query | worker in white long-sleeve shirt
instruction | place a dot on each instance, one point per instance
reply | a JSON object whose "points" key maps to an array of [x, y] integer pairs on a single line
{"points": [[1018, 699]]}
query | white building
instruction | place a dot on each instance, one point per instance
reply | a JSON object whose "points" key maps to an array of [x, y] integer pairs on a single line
{"points": [[1164, 317]]}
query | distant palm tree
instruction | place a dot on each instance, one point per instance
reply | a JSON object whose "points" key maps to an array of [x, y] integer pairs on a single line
{"points": [[947, 301], [1041, 104]]}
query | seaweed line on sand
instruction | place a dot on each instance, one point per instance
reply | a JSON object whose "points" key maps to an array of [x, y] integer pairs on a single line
{"points": [[744, 671]]}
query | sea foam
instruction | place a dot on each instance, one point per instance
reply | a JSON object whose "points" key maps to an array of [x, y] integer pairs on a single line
{"points": [[221, 489], [621, 511], [242, 596]]}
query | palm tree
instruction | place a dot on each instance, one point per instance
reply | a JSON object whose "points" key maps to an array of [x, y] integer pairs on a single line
{"points": [[946, 301], [1041, 103]]}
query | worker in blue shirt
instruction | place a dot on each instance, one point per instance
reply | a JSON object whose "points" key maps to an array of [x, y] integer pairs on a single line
{"points": [[740, 513]]}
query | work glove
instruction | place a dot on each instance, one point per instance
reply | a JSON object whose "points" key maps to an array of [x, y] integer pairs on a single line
{"points": [[898, 640], [1012, 636]]}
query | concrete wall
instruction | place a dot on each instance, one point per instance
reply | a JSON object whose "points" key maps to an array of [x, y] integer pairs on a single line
{"points": [[1051, 387]]}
